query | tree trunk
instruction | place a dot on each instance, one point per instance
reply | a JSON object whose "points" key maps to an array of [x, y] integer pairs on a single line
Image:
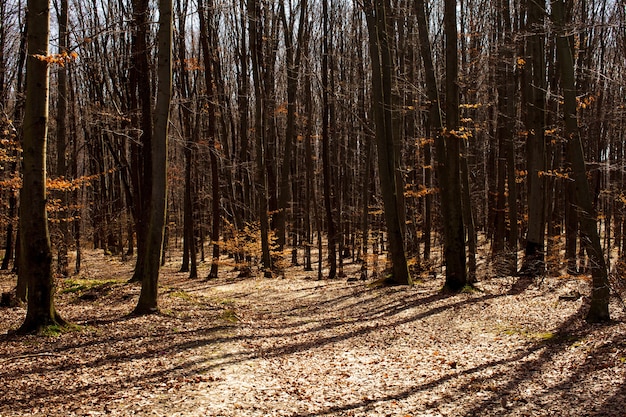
{"points": [[141, 160], [36, 254], [534, 256], [599, 307], [377, 13], [293, 71], [448, 156], [61, 145], [189, 263], [256, 46], [149, 285], [209, 68], [331, 229]]}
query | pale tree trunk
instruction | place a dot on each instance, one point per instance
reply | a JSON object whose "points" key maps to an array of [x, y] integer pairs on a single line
{"points": [[599, 308], [149, 285], [377, 13], [35, 263]]}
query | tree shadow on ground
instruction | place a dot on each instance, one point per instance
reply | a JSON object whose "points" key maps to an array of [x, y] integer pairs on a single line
{"points": [[175, 355]]}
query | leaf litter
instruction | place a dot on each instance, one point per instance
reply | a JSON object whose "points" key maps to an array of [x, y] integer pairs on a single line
{"points": [[300, 347]]}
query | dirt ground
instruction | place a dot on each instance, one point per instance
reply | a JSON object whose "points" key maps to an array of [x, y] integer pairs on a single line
{"points": [[296, 346]]}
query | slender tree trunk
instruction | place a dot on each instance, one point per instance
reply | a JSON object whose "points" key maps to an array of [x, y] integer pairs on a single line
{"points": [[328, 186], [22, 284], [149, 285], [61, 146], [36, 253], [256, 46], [209, 69], [189, 263], [293, 54]]}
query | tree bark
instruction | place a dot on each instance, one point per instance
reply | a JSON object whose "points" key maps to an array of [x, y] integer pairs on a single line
{"points": [[148, 298], [377, 14], [141, 160], [599, 306], [209, 68], [61, 146], [293, 54], [534, 256], [36, 253], [256, 46], [328, 186]]}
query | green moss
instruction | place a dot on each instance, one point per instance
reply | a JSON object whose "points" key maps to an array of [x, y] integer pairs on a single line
{"points": [[183, 295], [470, 289], [80, 285], [230, 316], [542, 336], [56, 330]]}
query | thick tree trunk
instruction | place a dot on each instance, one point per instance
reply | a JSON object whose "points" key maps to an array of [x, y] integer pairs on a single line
{"points": [[141, 160], [599, 307], [148, 298], [36, 254], [448, 163], [377, 13], [209, 69], [534, 256]]}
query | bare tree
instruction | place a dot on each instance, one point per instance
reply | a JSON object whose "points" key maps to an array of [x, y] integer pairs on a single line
{"points": [[36, 254], [148, 297]]}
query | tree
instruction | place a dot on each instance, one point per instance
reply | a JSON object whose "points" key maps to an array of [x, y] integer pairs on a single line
{"points": [[148, 297], [599, 307], [378, 21], [448, 158], [35, 263], [210, 66], [260, 114], [141, 148], [328, 186], [189, 237], [61, 145], [293, 55], [534, 91]]}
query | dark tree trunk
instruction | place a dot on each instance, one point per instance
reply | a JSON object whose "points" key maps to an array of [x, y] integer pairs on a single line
{"points": [[36, 253], [534, 256], [377, 13], [148, 298], [599, 307], [331, 228]]}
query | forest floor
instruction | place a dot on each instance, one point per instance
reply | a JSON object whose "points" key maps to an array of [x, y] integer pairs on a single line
{"points": [[296, 346]]}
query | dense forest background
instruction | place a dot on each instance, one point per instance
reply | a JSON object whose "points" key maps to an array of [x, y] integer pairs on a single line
{"points": [[482, 136]]}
